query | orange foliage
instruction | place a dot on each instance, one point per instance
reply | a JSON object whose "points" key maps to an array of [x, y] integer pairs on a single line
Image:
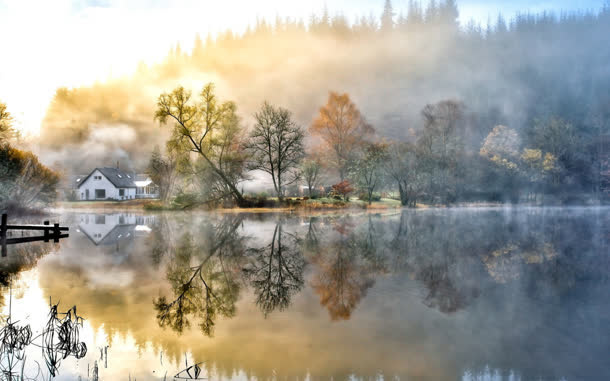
{"points": [[342, 128]]}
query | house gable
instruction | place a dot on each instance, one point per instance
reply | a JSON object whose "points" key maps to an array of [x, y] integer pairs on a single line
{"points": [[100, 185]]}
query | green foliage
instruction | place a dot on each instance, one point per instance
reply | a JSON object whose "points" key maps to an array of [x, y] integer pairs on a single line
{"points": [[211, 130], [207, 290], [6, 124], [185, 200], [364, 196]]}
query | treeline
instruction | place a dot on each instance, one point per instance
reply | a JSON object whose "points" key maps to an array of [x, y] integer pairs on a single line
{"points": [[210, 154], [531, 71], [25, 183]]}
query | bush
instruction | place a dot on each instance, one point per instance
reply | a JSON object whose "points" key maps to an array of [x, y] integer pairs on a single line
{"points": [[364, 196], [184, 200], [342, 189], [24, 181]]}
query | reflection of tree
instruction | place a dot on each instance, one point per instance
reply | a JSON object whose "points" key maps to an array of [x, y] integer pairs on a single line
{"points": [[438, 258], [345, 269], [311, 241], [506, 263], [276, 271], [207, 290], [442, 292]]}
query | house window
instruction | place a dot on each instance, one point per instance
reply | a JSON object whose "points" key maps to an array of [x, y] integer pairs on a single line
{"points": [[100, 219], [121, 192], [100, 193]]}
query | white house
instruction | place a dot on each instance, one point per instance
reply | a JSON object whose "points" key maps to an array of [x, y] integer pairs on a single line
{"points": [[114, 184]]}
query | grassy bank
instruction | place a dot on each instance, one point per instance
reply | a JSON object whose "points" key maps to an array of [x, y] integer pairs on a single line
{"points": [[259, 206]]}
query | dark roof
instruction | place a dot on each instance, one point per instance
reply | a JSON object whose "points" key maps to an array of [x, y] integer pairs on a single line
{"points": [[75, 181], [117, 177]]}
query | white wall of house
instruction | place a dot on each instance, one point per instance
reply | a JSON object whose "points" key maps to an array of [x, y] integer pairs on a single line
{"points": [[146, 189], [93, 183]]}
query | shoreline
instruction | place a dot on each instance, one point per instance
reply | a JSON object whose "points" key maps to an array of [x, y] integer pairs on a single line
{"points": [[353, 206]]}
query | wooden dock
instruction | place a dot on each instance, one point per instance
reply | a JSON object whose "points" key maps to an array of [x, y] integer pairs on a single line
{"points": [[49, 232]]}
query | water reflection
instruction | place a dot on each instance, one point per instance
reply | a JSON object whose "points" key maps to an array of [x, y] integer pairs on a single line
{"points": [[345, 266], [200, 275], [432, 295], [275, 271]]}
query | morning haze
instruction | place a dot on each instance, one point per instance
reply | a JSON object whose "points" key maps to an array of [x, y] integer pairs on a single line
{"points": [[401, 190]]}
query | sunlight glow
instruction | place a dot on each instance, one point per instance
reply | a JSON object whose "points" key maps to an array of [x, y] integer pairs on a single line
{"points": [[69, 43]]}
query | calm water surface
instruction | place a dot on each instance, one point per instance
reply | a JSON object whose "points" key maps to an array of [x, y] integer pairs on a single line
{"points": [[458, 294]]}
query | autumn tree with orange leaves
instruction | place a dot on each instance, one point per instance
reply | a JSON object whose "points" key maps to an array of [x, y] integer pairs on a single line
{"points": [[343, 130]]}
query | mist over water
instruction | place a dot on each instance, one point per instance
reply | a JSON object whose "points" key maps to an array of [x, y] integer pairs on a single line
{"points": [[430, 294]]}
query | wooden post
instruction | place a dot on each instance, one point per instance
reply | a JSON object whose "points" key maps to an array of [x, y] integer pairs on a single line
{"points": [[46, 232], [56, 232], [3, 231]]}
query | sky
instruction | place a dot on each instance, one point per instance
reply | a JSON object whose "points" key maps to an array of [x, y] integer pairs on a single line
{"points": [[49, 44]]}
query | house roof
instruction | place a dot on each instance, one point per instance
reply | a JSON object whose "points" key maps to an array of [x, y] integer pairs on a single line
{"points": [[76, 180], [117, 177]]}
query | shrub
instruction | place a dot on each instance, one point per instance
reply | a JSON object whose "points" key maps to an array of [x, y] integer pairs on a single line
{"points": [[184, 200], [364, 196], [24, 181], [342, 189]]}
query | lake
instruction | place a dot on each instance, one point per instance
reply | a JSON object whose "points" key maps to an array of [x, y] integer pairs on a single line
{"points": [[436, 294]]}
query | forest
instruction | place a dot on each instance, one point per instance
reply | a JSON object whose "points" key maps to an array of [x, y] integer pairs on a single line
{"points": [[436, 112]]}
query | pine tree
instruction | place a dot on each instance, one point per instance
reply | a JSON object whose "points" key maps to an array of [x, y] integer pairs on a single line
{"points": [[415, 15], [198, 47], [387, 17], [448, 13], [501, 25], [431, 12]]}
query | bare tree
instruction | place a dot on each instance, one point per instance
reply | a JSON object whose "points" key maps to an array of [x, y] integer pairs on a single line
{"points": [[441, 145], [163, 172], [401, 167], [310, 171], [276, 145], [369, 171], [276, 271]]}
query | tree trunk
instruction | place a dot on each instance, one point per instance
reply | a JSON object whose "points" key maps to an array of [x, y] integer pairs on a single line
{"points": [[404, 195]]}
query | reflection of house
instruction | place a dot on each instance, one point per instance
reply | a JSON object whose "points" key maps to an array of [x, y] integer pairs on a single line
{"points": [[114, 184], [111, 229]]}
